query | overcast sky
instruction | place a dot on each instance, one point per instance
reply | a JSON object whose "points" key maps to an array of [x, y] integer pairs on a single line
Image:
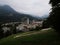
{"points": [[33, 7]]}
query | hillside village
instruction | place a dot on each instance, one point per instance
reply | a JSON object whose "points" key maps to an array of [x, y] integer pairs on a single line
{"points": [[24, 26]]}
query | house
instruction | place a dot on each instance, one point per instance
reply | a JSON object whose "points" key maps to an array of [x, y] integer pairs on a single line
{"points": [[6, 29]]}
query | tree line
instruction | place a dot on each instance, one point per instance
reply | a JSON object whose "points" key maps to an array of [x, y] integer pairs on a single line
{"points": [[53, 20]]}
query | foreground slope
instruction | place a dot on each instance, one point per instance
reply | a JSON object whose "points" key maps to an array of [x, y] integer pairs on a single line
{"points": [[42, 37]]}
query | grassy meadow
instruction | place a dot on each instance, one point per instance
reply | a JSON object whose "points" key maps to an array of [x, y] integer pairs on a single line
{"points": [[41, 37]]}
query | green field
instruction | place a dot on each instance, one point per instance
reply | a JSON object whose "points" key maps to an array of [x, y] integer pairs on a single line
{"points": [[45, 37]]}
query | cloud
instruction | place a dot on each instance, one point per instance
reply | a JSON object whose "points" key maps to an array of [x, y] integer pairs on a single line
{"points": [[33, 7]]}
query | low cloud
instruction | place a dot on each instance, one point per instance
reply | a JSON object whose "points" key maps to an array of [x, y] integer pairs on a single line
{"points": [[33, 7]]}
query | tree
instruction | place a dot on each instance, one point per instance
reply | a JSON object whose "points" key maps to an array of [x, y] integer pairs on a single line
{"points": [[45, 24], [38, 28], [14, 31], [7, 33], [54, 2], [54, 17], [1, 32]]}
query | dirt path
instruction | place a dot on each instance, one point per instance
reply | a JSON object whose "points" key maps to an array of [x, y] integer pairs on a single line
{"points": [[32, 33]]}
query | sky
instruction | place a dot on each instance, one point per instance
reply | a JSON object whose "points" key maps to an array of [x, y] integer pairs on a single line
{"points": [[33, 7]]}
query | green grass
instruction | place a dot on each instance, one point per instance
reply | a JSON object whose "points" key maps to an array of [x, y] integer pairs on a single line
{"points": [[48, 37]]}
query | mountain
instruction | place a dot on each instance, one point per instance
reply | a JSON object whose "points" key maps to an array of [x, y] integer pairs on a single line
{"points": [[8, 14]]}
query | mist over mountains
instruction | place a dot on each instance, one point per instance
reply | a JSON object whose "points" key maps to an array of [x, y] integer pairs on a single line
{"points": [[8, 14]]}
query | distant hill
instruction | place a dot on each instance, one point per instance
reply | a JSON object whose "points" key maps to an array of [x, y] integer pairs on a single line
{"points": [[8, 14]]}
